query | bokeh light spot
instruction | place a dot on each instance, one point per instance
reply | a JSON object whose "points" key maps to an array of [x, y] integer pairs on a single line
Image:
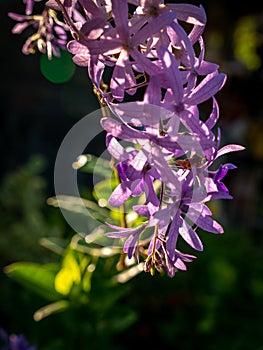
{"points": [[59, 69]]}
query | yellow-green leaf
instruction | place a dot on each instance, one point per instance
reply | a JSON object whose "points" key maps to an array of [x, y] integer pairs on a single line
{"points": [[68, 275]]}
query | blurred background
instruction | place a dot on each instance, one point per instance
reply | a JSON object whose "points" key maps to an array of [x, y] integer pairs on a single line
{"points": [[218, 302]]}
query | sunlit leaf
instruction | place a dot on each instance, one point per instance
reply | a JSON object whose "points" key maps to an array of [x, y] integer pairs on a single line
{"points": [[38, 278], [103, 190], [69, 274], [96, 244], [80, 206]]}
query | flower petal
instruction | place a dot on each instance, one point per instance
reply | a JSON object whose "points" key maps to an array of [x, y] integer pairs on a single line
{"points": [[167, 175], [119, 195], [229, 148], [124, 232], [120, 15], [190, 236], [208, 87], [118, 78], [213, 118], [172, 74], [173, 234], [189, 13], [115, 148], [153, 27]]}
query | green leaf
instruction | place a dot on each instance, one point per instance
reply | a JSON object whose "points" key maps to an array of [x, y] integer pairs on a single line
{"points": [[96, 244], [69, 274], [80, 206], [38, 278], [102, 191]]}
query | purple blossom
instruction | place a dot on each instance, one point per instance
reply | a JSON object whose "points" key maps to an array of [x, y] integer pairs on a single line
{"points": [[161, 261], [181, 99], [171, 148], [216, 189], [187, 184], [159, 147], [30, 5], [121, 41], [14, 342], [134, 44], [170, 144], [50, 33], [176, 216], [136, 173]]}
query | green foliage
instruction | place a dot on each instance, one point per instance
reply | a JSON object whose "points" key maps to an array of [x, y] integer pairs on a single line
{"points": [[70, 278], [209, 306], [36, 277], [79, 281], [25, 217], [65, 283], [246, 40]]}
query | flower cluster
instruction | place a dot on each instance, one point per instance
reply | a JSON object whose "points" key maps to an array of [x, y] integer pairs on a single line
{"points": [[49, 34], [146, 60]]}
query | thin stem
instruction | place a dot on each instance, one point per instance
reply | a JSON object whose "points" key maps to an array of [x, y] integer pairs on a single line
{"points": [[161, 195], [69, 20]]}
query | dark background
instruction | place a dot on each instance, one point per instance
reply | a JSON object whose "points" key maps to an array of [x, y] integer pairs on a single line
{"points": [[219, 302]]}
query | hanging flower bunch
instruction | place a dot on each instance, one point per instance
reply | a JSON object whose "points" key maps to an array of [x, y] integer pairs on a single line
{"points": [[146, 60]]}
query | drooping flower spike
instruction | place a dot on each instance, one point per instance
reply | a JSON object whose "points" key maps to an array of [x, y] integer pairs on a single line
{"points": [[149, 68]]}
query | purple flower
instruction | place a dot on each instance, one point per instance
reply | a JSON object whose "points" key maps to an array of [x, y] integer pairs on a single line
{"points": [[182, 215], [50, 33], [122, 41], [176, 216], [183, 100], [29, 5], [158, 147], [214, 186], [173, 33], [14, 342], [132, 240], [171, 145], [157, 125], [133, 44], [136, 173], [216, 189], [171, 148], [160, 260], [187, 183]]}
